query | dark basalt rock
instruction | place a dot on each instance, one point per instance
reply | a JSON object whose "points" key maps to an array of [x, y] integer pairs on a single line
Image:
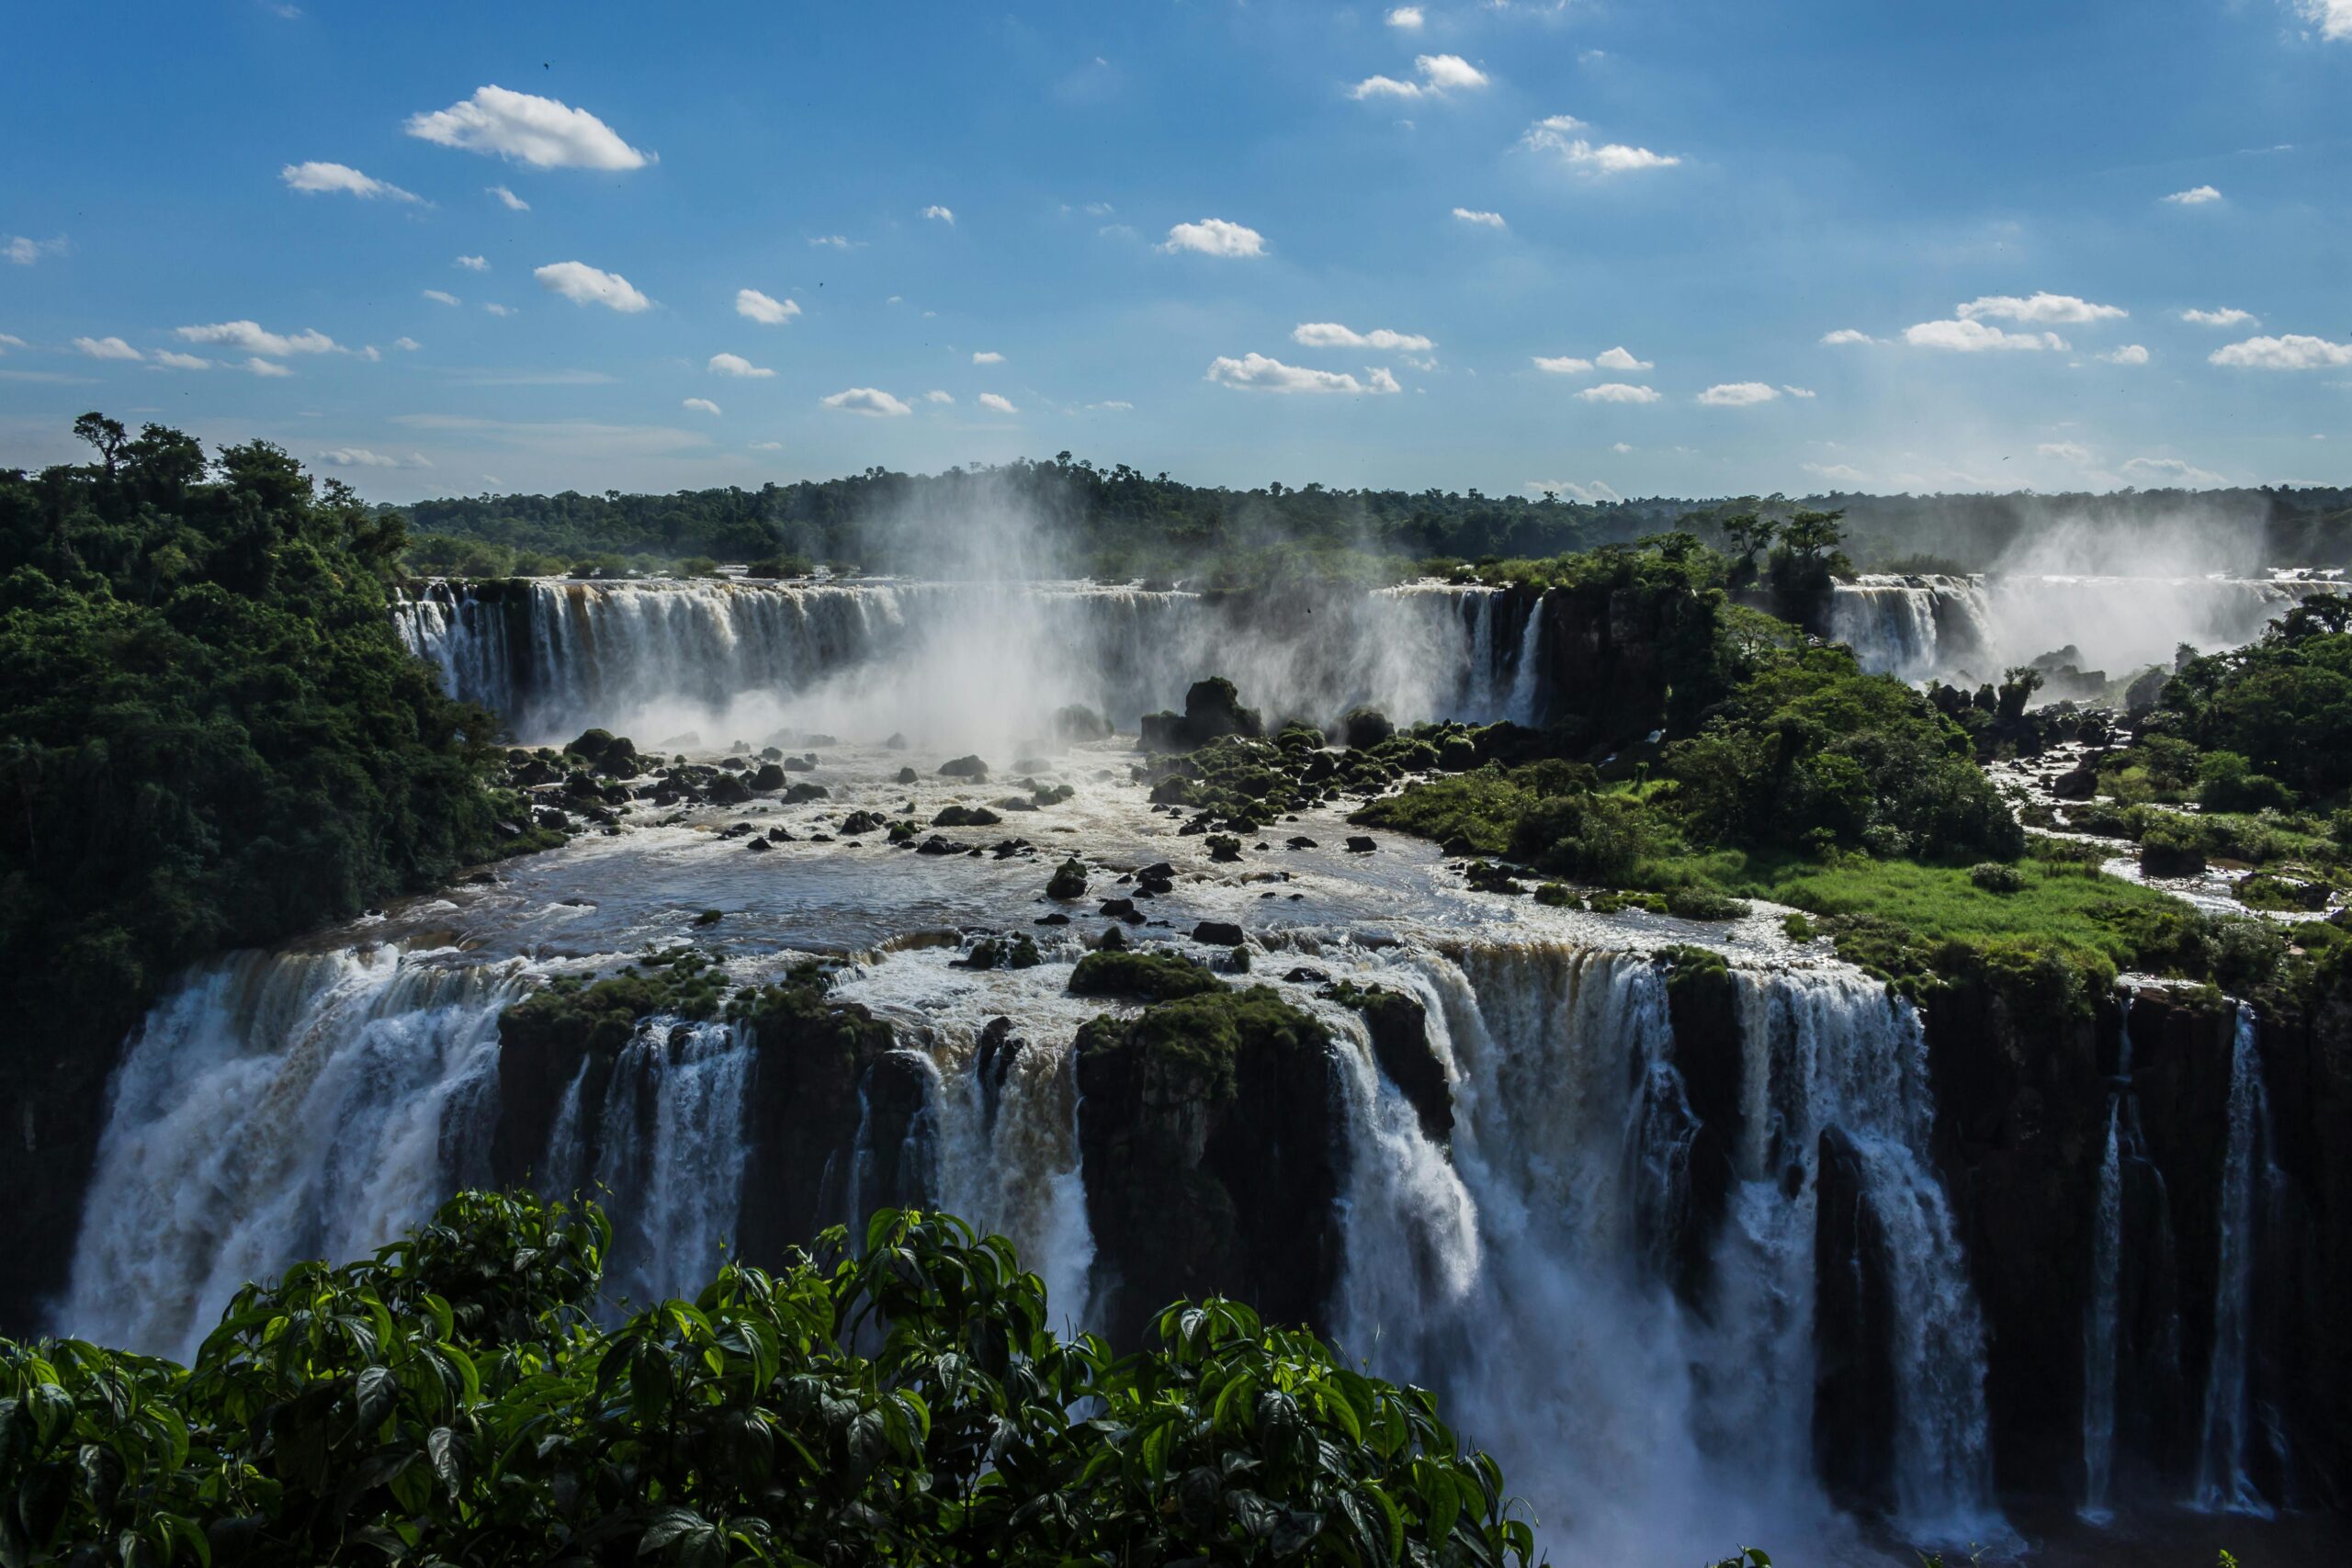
{"points": [[1120, 909], [1207, 1136], [769, 776], [1399, 1027], [1853, 1334], [1361, 844], [801, 794], [1216, 933], [1212, 709], [727, 789], [965, 768]]}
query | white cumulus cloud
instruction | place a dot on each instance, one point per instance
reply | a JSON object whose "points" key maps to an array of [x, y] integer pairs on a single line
{"points": [[540, 132], [941, 213], [2130, 354], [1968, 335], [106, 348], [514, 203], [1618, 392], [2227, 316], [1590, 494], [987, 357], [2172, 470], [2041, 309], [1483, 219], [1738, 394], [700, 405], [937, 396], [1439, 74], [1620, 359], [1331, 334], [474, 263], [24, 252], [2295, 351], [320, 179], [1257, 373], [736, 364], [2195, 195], [1555, 135], [1845, 335], [261, 367], [361, 458], [1001, 405], [585, 285], [251, 337], [406, 345], [1408, 17], [2066, 451], [758, 307], [868, 401], [442, 297], [178, 361], [1796, 391], [1836, 473], [1562, 365], [1215, 237], [2332, 17]]}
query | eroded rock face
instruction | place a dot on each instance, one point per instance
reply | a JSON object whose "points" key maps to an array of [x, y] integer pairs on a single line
{"points": [[1399, 1027], [1854, 1307], [2024, 1095], [1212, 1155]]}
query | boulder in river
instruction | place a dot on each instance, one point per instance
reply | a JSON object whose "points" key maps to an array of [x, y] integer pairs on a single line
{"points": [[969, 767]]}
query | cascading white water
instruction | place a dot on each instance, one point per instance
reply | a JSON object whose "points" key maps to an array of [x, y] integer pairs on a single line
{"points": [[1974, 628], [1833, 1050], [2224, 1480], [972, 662], [1007, 1160], [671, 1153], [1527, 1278], [1526, 679], [2099, 1325], [278, 1107], [2102, 1326]]}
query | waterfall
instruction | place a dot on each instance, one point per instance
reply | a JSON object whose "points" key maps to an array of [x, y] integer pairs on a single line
{"points": [[276, 1107], [1006, 1114], [2101, 1325], [984, 662], [1525, 683], [2233, 1412], [1528, 1277], [1972, 628], [1836, 1051], [2102, 1318], [670, 1153]]}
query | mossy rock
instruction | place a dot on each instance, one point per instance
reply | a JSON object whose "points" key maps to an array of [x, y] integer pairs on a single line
{"points": [[1153, 976]]}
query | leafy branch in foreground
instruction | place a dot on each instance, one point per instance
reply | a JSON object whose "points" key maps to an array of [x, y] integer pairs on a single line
{"points": [[452, 1401]]}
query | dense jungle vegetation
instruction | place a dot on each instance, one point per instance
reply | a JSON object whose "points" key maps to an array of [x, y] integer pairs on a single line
{"points": [[453, 1399], [1071, 517], [210, 735]]}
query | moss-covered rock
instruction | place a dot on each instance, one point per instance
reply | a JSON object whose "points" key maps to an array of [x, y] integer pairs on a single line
{"points": [[1149, 976], [1207, 1138]]}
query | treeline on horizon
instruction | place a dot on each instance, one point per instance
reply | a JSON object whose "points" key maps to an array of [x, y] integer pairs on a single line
{"points": [[1067, 516]]}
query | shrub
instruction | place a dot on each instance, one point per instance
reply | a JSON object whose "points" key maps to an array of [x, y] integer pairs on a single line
{"points": [[1992, 876], [904, 1401]]}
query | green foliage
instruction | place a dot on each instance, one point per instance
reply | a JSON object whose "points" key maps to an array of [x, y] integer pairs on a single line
{"points": [[209, 733], [1206, 1031], [1153, 976], [902, 1402]]}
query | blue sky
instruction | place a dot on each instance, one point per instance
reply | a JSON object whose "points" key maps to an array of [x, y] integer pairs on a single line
{"points": [[1236, 242]]}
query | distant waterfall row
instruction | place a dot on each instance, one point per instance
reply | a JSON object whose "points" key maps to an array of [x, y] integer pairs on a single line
{"points": [[728, 659], [1970, 629]]}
